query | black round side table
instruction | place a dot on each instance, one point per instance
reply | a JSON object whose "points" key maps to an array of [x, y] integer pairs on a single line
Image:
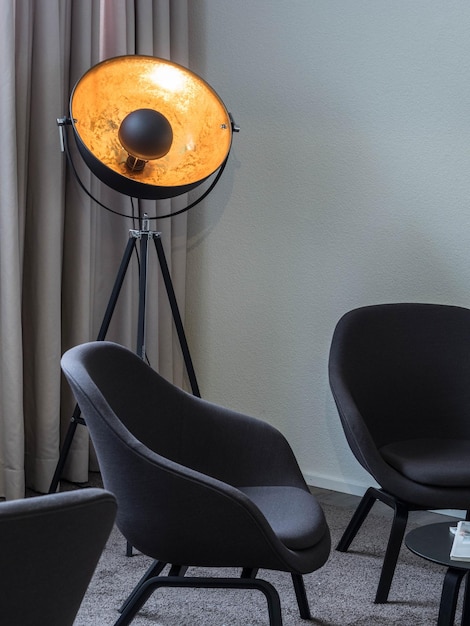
{"points": [[434, 542]]}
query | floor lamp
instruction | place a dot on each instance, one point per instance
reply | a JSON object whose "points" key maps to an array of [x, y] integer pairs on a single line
{"points": [[150, 129]]}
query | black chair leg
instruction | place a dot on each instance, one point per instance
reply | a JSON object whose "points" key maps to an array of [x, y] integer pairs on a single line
{"points": [[146, 590], [299, 588], [301, 595], [395, 541], [360, 514], [154, 570], [178, 570], [249, 572]]}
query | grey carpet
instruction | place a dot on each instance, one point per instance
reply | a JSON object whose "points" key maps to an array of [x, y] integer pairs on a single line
{"points": [[340, 594]]}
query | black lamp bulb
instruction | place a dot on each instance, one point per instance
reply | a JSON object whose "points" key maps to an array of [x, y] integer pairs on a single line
{"points": [[146, 135]]}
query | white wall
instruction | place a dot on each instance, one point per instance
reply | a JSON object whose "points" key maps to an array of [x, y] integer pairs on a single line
{"points": [[349, 184]]}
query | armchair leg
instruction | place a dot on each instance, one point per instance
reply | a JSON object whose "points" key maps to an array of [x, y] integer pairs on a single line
{"points": [[146, 590], [301, 595], [360, 514], [395, 540], [178, 570], [299, 588], [249, 572], [154, 570]]}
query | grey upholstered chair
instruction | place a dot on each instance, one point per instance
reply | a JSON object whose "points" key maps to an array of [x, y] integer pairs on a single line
{"points": [[400, 376], [197, 484], [49, 549]]}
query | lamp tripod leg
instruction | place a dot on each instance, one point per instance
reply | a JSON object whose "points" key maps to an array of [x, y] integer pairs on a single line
{"points": [[176, 315], [142, 294], [144, 236], [126, 257], [76, 416], [75, 420]]}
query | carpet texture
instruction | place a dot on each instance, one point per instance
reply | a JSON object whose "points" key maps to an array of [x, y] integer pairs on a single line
{"points": [[340, 594]]}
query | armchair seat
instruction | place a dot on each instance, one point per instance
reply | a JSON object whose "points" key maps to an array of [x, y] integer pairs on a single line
{"points": [[432, 461], [294, 515]]}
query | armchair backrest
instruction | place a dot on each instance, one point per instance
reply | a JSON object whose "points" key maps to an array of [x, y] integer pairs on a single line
{"points": [[401, 371], [172, 423], [49, 548]]}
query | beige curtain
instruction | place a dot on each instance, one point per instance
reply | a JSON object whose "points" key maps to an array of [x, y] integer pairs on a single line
{"points": [[60, 251]]}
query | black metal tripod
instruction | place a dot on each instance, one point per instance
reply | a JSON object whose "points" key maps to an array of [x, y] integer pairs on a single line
{"points": [[143, 235]]}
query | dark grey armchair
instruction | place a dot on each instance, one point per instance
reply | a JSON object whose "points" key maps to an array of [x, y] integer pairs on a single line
{"points": [[49, 549], [400, 376], [197, 484]]}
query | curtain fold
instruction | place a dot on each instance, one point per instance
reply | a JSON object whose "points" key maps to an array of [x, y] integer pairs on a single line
{"points": [[59, 251], [12, 215]]}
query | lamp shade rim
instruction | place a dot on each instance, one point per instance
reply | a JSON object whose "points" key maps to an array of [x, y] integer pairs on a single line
{"points": [[200, 123]]}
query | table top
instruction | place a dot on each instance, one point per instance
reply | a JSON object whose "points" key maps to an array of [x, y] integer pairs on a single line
{"points": [[434, 542]]}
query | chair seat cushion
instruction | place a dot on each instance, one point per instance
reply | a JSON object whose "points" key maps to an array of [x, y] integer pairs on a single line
{"points": [[293, 514], [437, 462]]}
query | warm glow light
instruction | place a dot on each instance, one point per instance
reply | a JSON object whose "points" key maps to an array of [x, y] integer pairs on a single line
{"points": [[167, 77], [111, 90]]}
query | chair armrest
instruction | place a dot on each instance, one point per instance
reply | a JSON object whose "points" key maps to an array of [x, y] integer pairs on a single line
{"points": [[237, 449], [212, 523]]}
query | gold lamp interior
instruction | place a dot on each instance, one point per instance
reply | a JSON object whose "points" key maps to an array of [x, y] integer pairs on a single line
{"points": [[200, 123]]}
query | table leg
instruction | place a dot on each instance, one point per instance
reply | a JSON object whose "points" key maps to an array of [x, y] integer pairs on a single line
{"points": [[450, 593], [466, 603]]}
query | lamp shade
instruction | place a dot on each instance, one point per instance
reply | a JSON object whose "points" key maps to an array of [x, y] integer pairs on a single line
{"points": [[179, 126]]}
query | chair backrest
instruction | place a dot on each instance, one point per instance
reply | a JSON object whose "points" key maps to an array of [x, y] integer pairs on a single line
{"points": [[143, 407], [49, 548], [401, 371]]}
